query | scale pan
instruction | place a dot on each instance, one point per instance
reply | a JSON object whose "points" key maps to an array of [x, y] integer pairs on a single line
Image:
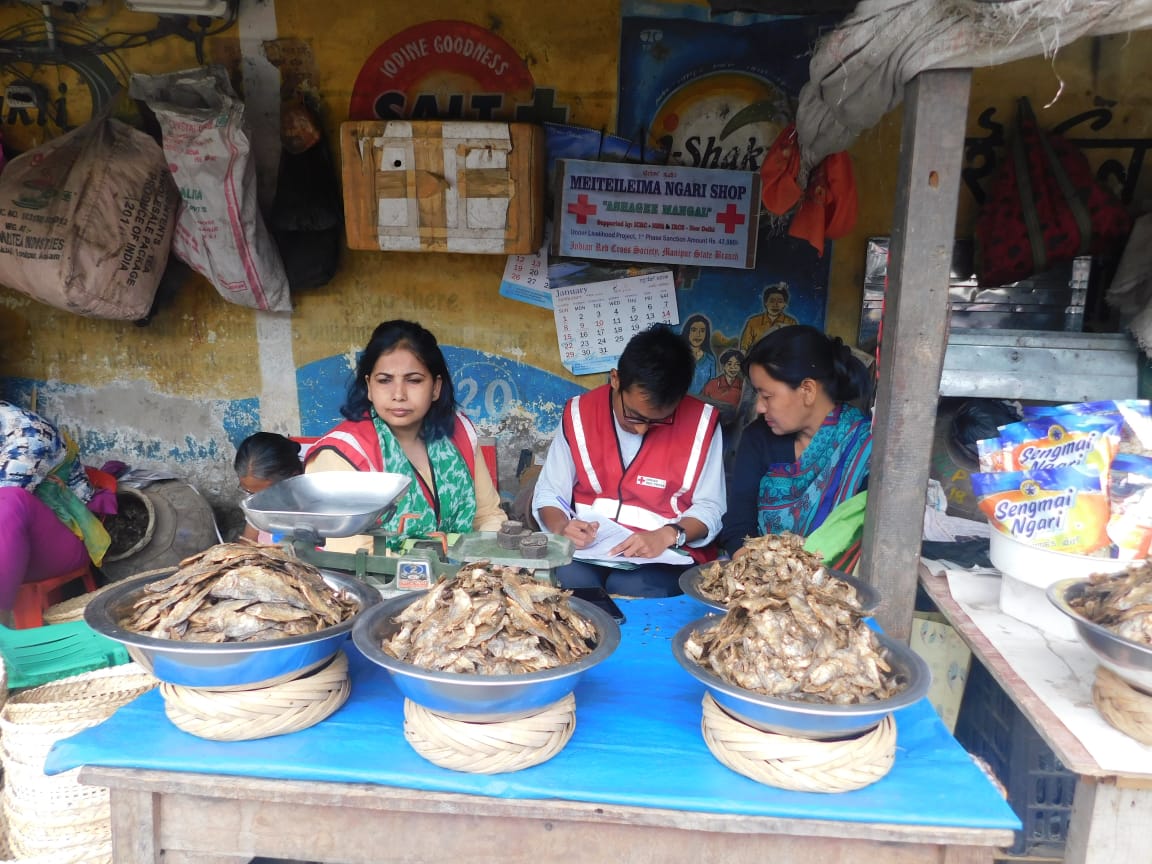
{"points": [[325, 504]]}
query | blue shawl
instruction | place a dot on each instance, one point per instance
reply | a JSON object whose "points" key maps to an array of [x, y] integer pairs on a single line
{"points": [[798, 496]]}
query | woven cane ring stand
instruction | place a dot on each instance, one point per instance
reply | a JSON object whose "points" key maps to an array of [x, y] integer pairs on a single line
{"points": [[73, 608], [799, 764], [286, 705], [1122, 705], [490, 748]]}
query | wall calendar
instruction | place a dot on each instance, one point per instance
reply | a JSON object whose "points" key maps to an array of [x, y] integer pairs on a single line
{"points": [[595, 320]]}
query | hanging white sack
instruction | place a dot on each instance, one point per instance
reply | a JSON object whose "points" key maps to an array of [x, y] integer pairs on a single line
{"points": [[220, 232], [87, 221]]}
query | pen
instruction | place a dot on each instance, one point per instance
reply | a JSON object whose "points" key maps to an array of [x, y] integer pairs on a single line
{"points": [[566, 507]]}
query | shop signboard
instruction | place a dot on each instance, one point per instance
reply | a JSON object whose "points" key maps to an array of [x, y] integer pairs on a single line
{"points": [[669, 214]]}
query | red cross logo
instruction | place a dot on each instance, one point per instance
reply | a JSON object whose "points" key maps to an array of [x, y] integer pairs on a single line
{"points": [[582, 209], [730, 219]]}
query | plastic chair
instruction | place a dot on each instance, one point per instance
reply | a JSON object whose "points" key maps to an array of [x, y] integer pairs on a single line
{"points": [[35, 597], [42, 654]]}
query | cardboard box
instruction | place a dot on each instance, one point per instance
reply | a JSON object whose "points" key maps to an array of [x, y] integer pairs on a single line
{"points": [[443, 186]]}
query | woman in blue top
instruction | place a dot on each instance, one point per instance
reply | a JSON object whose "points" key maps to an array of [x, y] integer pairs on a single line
{"points": [[809, 449]]}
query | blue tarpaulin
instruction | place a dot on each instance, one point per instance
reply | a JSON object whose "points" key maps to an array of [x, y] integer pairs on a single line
{"points": [[637, 742]]}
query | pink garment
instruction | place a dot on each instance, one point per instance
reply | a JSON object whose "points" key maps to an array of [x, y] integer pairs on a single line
{"points": [[34, 543]]}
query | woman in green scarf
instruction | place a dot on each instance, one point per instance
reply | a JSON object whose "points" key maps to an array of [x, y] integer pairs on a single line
{"points": [[46, 529], [402, 418]]}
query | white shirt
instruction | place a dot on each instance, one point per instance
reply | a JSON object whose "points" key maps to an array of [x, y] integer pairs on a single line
{"points": [[558, 478]]}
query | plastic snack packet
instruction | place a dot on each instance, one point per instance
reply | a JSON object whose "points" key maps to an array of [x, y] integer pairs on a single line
{"points": [[1130, 503], [1064, 509], [1060, 440], [1135, 417]]}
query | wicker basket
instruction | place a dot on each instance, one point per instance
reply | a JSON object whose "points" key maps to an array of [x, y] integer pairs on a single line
{"points": [[93, 853], [73, 608], [55, 819]]}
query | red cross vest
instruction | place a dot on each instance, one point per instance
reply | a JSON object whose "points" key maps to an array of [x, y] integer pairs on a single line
{"points": [[356, 441], [656, 488]]}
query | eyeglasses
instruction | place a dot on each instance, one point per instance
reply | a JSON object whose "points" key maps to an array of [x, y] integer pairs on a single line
{"points": [[639, 419]]}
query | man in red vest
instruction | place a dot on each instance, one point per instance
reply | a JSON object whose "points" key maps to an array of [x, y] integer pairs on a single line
{"points": [[636, 477]]}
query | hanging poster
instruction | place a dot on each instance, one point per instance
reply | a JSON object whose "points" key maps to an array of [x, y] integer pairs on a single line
{"points": [[714, 91], [670, 213]]}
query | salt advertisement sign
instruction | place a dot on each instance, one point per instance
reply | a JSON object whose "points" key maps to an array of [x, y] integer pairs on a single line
{"points": [[660, 213]]}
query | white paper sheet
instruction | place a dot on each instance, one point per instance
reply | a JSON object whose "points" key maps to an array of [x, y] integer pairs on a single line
{"points": [[611, 534]]}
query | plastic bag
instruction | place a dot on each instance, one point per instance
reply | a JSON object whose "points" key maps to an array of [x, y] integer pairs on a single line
{"points": [[838, 538], [1044, 207], [220, 232]]}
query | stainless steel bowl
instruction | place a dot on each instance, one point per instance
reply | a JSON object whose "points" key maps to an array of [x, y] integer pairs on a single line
{"points": [[324, 504], [690, 584], [479, 698], [806, 719], [1132, 661], [221, 664]]}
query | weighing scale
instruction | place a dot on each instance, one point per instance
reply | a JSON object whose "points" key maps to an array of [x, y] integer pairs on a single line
{"points": [[308, 509]]}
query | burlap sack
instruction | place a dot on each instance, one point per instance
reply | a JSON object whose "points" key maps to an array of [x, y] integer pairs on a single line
{"points": [[86, 221]]}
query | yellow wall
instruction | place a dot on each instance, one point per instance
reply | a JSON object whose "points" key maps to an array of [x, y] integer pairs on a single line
{"points": [[200, 349], [200, 346]]}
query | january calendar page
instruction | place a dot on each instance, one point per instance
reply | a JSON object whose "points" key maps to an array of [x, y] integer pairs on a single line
{"points": [[595, 320]]}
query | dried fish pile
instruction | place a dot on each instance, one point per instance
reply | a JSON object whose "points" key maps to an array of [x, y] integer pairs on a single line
{"points": [[776, 563], [236, 592], [491, 620], [1121, 602], [792, 630]]}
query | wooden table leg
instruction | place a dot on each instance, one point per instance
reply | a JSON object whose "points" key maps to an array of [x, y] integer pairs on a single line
{"points": [[135, 826], [136, 833], [1108, 823]]}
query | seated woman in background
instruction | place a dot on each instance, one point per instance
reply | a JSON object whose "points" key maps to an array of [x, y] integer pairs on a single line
{"points": [[46, 528], [402, 418], [809, 449], [263, 459]]}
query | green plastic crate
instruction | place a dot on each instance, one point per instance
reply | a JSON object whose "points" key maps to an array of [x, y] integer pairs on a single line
{"points": [[40, 655]]}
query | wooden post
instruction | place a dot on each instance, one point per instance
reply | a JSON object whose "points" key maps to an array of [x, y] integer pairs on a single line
{"points": [[914, 337]]}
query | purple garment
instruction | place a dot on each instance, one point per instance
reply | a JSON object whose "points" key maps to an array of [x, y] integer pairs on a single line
{"points": [[34, 543], [104, 503]]}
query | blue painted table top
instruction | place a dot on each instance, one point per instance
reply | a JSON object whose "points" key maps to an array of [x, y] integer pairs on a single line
{"points": [[637, 742]]}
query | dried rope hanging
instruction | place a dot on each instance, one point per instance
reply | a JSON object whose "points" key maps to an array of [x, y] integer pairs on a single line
{"points": [[490, 748], [286, 704], [799, 764], [1122, 705]]}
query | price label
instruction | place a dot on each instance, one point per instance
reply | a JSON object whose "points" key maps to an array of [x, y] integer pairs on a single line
{"points": [[413, 574]]}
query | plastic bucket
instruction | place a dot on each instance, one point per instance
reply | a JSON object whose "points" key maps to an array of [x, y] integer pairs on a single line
{"points": [[1028, 570]]}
